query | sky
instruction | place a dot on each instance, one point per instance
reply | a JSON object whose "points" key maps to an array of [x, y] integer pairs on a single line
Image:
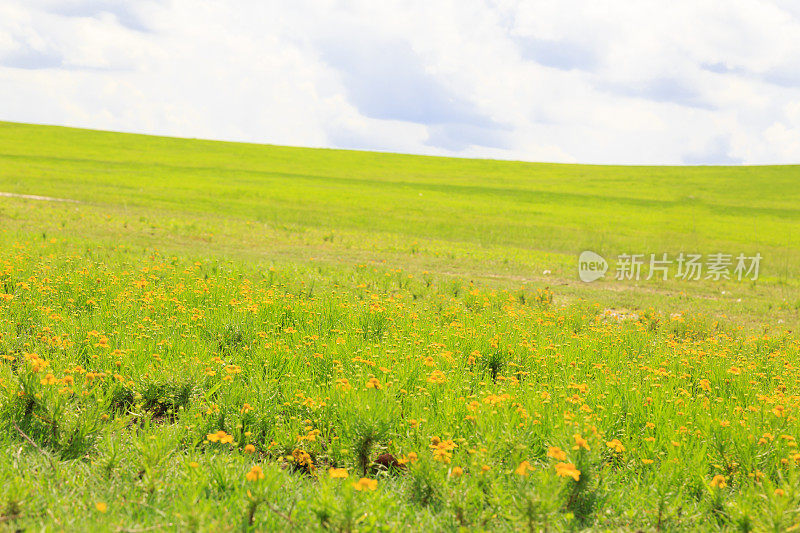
{"points": [[585, 81]]}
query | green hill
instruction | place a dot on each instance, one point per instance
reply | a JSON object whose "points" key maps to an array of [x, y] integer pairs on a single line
{"points": [[500, 222]]}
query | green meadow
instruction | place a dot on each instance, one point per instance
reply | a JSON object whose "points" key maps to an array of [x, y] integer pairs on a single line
{"points": [[200, 335], [497, 222]]}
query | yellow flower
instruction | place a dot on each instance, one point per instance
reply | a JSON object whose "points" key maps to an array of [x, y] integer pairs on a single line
{"points": [[580, 442], [302, 459], [408, 459], [373, 383], [255, 474], [437, 377], [780, 492], [556, 453], [366, 483], [718, 481], [568, 470], [523, 468], [337, 473], [442, 455], [193, 464], [441, 449], [616, 445], [220, 436], [101, 506], [456, 471], [249, 448], [49, 379]]}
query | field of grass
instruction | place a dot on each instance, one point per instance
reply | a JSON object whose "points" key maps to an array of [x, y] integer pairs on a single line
{"points": [[217, 336]]}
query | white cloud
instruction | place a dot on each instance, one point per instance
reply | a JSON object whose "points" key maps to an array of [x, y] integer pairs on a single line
{"points": [[645, 82]]}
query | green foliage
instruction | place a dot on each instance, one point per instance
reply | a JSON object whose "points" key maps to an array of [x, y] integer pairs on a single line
{"points": [[228, 337]]}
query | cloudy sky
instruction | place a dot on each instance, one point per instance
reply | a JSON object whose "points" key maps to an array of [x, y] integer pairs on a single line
{"points": [[660, 82]]}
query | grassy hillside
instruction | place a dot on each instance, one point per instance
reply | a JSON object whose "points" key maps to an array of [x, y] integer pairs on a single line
{"points": [[478, 219], [211, 336]]}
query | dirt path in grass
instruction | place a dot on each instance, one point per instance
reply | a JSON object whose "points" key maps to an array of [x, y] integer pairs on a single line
{"points": [[34, 197]]}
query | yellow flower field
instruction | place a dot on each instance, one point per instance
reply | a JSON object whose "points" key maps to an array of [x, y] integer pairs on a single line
{"points": [[165, 365]]}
